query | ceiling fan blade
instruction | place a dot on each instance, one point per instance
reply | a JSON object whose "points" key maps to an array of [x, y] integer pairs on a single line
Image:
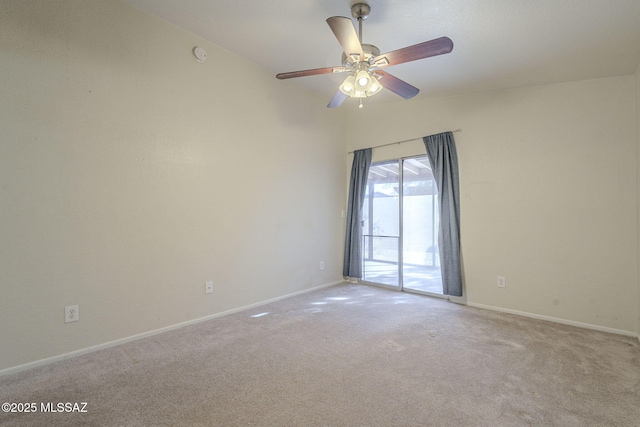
{"points": [[312, 72], [422, 50], [397, 86], [337, 100], [344, 31]]}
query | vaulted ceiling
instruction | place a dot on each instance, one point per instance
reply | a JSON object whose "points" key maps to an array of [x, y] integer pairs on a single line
{"points": [[498, 44]]}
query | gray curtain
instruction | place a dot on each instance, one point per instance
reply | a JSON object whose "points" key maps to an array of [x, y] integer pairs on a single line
{"points": [[353, 240], [441, 150]]}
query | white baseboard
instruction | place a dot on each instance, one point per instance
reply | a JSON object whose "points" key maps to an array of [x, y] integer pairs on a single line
{"points": [[459, 300], [114, 343], [556, 320]]}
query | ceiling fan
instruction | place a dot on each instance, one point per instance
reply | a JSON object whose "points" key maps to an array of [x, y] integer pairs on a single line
{"points": [[364, 63]]}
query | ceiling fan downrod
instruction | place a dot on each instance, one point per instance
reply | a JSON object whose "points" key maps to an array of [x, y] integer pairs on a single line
{"points": [[360, 11]]}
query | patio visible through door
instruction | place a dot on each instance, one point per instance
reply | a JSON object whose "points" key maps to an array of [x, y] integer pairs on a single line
{"points": [[400, 226]]}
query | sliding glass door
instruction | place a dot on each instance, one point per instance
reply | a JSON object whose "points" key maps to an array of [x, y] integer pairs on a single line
{"points": [[400, 226], [381, 222], [420, 255]]}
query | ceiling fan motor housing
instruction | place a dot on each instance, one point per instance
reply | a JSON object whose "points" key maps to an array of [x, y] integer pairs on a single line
{"points": [[370, 51]]}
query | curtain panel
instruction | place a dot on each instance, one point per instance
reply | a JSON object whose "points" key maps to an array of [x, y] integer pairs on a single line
{"points": [[441, 150], [352, 266]]}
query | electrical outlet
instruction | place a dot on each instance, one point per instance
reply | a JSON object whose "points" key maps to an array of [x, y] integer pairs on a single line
{"points": [[502, 282], [321, 265], [71, 314], [208, 288]]}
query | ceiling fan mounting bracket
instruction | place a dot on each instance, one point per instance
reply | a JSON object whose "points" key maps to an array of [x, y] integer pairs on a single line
{"points": [[360, 11]]}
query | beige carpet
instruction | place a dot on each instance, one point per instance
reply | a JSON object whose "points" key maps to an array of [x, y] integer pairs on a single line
{"points": [[348, 355]]}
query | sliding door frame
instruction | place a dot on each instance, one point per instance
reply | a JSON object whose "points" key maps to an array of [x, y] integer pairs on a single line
{"points": [[400, 287]]}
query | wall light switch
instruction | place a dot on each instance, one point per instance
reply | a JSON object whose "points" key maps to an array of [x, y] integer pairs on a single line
{"points": [[208, 288]]}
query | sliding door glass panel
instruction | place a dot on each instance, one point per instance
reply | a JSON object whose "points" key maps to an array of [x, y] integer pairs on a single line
{"points": [[381, 225], [420, 255], [400, 226]]}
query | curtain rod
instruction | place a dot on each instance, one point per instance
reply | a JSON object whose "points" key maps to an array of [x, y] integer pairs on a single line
{"points": [[400, 142]]}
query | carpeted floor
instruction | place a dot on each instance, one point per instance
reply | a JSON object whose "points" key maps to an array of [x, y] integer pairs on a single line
{"points": [[349, 355]]}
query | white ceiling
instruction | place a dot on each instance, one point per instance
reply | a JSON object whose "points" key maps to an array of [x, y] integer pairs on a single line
{"points": [[498, 44]]}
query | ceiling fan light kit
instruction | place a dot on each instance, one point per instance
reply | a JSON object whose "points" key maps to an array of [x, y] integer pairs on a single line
{"points": [[363, 61], [361, 84]]}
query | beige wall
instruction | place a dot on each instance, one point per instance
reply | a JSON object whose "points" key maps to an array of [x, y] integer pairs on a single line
{"points": [[130, 174], [548, 193]]}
